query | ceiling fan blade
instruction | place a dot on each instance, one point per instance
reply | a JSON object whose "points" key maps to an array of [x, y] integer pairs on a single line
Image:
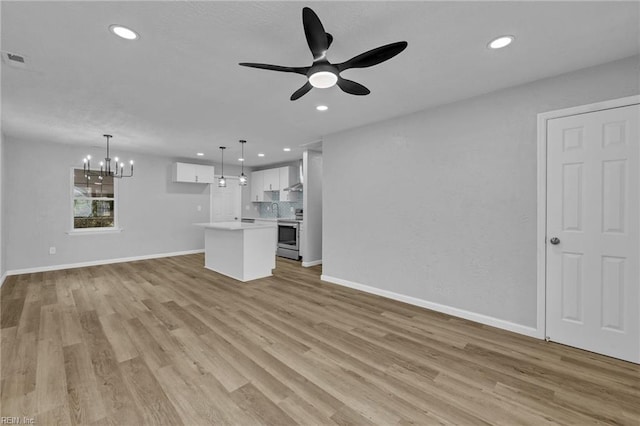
{"points": [[314, 31], [374, 56], [301, 91], [352, 87], [297, 70], [329, 40]]}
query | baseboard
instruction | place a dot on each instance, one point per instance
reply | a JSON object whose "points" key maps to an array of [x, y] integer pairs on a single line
{"points": [[100, 262], [4, 277], [456, 312], [312, 263]]}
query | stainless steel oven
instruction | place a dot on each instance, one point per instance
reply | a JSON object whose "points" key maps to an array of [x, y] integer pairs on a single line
{"points": [[289, 239]]}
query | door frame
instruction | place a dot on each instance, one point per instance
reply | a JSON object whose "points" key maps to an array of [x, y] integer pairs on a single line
{"points": [[541, 236]]}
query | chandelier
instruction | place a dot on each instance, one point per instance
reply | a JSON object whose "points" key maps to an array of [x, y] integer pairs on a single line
{"points": [[105, 167]]}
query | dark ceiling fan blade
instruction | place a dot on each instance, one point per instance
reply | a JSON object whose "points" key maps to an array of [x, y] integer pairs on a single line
{"points": [[329, 40], [352, 87], [314, 31], [374, 56], [301, 91], [297, 70]]}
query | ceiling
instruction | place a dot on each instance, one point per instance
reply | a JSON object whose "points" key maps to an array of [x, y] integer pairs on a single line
{"points": [[179, 90]]}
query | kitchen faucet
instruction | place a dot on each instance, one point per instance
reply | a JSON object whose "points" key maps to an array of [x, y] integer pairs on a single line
{"points": [[276, 208]]}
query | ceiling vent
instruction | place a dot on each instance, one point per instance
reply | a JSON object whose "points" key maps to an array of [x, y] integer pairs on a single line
{"points": [[14, 60]]}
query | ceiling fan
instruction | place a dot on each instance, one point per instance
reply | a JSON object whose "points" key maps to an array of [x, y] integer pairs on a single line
{"points": [[323, 74]]}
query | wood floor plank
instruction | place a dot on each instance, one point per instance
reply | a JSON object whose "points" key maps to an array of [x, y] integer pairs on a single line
{"points": [[51, 385], [115, 395], [148, 396], [19, 376], [165, 341], [155, 356], [252, 400], [121, 343], [11, 309], [84, 399], [209, 360]]}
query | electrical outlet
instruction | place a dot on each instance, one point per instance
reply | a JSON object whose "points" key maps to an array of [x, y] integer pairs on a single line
{"points": [[52, 250]]}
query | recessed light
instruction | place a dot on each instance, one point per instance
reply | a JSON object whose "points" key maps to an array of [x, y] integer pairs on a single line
{"points": [[200, 154], [240, 159], [286, 149], [124, 32], [322, 107], [500, 42], [261, 155]]}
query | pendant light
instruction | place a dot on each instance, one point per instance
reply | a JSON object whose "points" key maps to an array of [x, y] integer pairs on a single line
{"points": [[243, 180], [105, 167], [222, 182]]}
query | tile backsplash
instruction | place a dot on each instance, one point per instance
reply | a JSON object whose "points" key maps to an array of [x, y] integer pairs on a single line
{"points": [[267, 209]]}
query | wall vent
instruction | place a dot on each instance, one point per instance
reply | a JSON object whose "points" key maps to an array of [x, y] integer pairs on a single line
{"points": [[14, 60]]}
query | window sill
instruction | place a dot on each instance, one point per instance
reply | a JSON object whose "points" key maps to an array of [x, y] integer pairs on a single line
{"points": [[89, 231]]}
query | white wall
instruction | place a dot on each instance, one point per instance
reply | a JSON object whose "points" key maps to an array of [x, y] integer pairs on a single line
{"points": [[312, 205], [156, 214], [441, 205]]}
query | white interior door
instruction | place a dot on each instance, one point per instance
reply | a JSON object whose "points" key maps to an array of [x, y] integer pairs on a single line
{"points": [[226, 203], [593, 190]]}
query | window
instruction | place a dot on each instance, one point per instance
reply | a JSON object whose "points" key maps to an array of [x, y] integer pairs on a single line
{"points": [[94, 202]]}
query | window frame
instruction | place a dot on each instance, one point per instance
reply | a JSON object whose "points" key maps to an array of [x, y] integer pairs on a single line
{"points": [[102, 230]]}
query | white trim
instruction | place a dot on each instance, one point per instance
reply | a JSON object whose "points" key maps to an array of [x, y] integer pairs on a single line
{"points": [[4, 277], [116, 208], [456, 312], [237, 278], [94, 231], [100, 262], [312, 263], [542, 191]]}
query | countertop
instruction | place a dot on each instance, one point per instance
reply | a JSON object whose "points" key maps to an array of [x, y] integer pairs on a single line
{"points": [[273, 219], [233, 226]]}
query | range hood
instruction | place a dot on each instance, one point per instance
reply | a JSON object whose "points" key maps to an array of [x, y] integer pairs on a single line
{"points": [[297, 187]]}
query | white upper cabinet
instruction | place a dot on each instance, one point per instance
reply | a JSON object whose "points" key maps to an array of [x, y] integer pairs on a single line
{"points": [[193, 173], [257, 185], [271, 180], [267, 184]]}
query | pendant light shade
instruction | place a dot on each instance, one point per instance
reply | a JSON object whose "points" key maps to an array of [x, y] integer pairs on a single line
{"points": [[222, 182], [243, 180]]}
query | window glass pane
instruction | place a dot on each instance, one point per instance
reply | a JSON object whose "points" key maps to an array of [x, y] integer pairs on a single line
{"points": [[89, 212], [91, 186], [93, 213]]}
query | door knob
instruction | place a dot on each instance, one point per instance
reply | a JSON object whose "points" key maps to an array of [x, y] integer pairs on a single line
{"points": [[555, 241]]}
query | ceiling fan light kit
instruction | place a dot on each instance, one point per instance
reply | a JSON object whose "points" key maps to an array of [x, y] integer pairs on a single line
{"points": [[322, 74]]}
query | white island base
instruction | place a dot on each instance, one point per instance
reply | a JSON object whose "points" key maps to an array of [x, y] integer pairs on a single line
{"points": [[243, 251]]}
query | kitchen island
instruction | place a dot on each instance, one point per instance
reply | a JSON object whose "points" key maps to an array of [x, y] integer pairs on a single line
{"points": [[243, 251]]}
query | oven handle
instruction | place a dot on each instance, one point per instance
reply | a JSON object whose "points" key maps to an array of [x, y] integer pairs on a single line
{"points": [[289, 225]]}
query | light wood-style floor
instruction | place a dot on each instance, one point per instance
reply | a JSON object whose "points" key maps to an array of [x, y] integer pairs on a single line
{"points": [[168, 342]]}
